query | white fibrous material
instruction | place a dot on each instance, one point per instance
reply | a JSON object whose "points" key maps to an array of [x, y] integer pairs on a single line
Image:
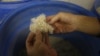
{"points": [[40, 24]]}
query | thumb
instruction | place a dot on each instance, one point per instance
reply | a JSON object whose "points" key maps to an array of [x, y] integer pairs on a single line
{"points": [[54, 19], [44, 49]]}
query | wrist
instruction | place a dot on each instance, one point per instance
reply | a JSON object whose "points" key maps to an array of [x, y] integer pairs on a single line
{"points": [[77, 21], [88, 25]]}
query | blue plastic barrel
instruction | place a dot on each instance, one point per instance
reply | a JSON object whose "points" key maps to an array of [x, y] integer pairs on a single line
{"points": [[15, 28], [9, 6]]}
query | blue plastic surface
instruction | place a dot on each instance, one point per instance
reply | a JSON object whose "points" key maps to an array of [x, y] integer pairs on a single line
{"points": [[15, 28], [9, 7], [13, 0], [96, 5]]}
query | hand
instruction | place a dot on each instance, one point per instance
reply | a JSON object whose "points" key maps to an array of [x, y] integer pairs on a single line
{"points": [[37, 46], [63, 22], [67, 22]]}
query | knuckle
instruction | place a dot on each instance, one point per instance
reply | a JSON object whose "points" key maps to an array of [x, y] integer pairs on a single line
{"points": [[60, 13]]}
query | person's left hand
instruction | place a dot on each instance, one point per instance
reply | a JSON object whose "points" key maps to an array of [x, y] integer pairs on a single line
{"points": [[36, 46]]}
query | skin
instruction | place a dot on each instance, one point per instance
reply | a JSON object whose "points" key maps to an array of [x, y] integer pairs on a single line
{"points": [[62, 22], [67, 22], [36, 46]]}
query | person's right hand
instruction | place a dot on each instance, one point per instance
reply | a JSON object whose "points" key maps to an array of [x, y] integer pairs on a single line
{"points": [[63, 22], [68, 22]]}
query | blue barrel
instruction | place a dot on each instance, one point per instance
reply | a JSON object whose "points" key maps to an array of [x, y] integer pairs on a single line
{"points": [[15, 28], [7, 7]]}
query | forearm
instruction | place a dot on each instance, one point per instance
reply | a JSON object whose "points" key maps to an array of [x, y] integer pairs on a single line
{"points": [[89, 25]]}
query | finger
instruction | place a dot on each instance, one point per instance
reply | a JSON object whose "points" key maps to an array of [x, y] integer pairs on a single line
{"points": [[54, 19], [38, 40], [44, 49], [47, 51], [37, 45], [64, 29], [56, 30], [43, 37], [59, 27], [47, 41], [49, 18], [30, 39], [38, 36]]}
